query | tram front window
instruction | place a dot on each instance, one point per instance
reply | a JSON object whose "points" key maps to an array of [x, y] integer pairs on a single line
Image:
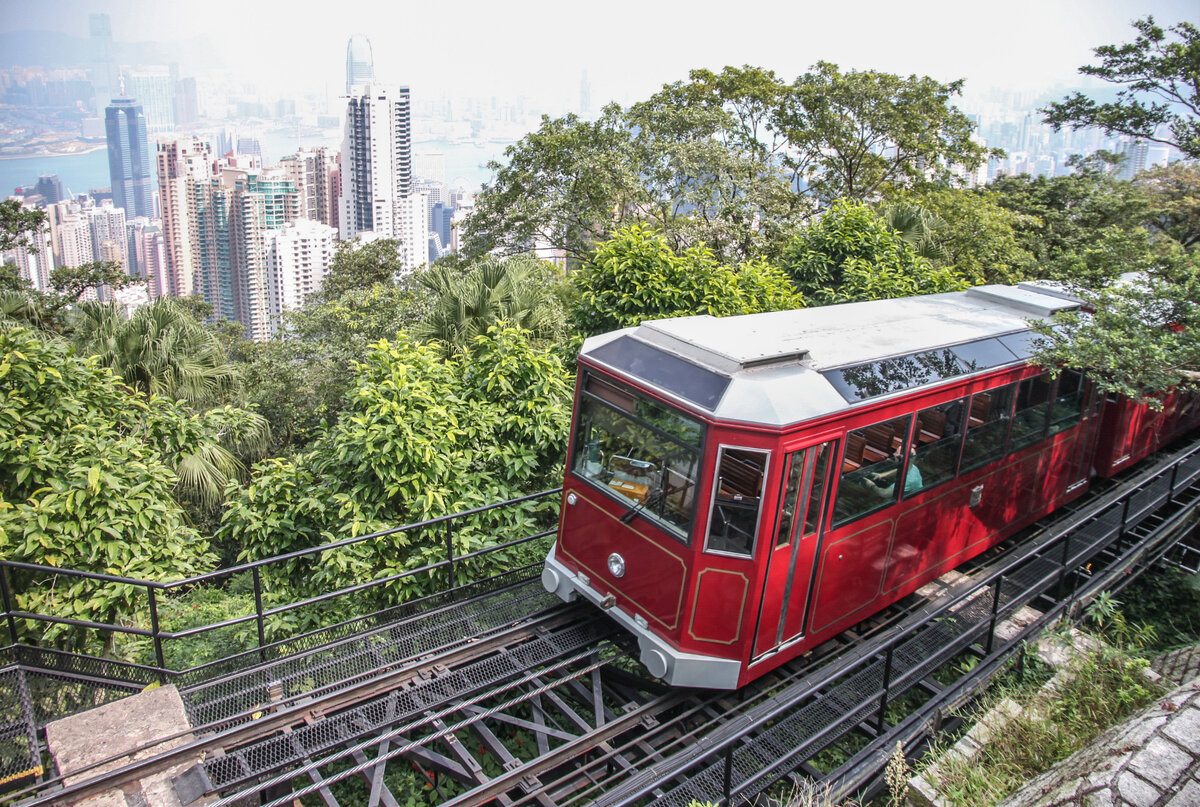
{"points": [[643, 453]]}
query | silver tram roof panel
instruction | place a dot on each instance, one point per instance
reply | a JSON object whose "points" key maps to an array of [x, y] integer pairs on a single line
{"points": [[773, 368]]}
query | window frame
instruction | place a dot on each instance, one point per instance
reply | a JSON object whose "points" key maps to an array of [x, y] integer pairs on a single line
{"points": [[714, 479], [576, 447]]}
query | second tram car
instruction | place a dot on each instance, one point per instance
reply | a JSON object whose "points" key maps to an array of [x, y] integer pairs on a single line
{"points": [[739, 490]]}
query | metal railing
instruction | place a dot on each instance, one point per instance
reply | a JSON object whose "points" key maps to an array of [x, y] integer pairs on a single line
{"points": [[442, 576], [864, 685]]}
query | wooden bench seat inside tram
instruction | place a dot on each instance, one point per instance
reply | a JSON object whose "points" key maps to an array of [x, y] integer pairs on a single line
{"points": [[740, 479], [979, 408], [932, 425], [855, 445]]}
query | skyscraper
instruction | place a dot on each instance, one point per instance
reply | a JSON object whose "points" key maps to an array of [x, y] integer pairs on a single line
{"points": [[184, 169], [376, 161], [360, 62], [129, 158], [154, 91], [103, 65]]}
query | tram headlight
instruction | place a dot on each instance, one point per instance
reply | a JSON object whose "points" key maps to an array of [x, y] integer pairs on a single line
{"points": [[616, 565]]}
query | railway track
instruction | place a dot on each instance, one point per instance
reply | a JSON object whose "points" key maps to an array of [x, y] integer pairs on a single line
{"points": [[598, 732]]}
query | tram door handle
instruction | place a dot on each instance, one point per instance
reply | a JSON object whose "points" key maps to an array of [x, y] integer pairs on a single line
{"points": [[976, 496]]}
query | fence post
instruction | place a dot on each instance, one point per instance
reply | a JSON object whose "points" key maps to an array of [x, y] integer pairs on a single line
{"points": [[451, 579], [727, 786], [8, 604], [159, 659], [887, 683], [258, 614], [995, 610]]}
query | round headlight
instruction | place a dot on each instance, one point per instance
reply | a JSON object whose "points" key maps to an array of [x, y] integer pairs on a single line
{"points": [[616, 565]]}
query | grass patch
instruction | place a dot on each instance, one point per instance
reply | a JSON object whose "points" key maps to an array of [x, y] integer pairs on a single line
{"points": [[1102, 686]]}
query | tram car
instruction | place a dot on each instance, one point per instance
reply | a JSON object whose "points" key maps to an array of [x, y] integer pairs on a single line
{"points": [[738, 490]]}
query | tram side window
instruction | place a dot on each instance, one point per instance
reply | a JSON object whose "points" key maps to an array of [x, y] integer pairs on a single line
{"points": [[937, 440], [1033, 407], [640, 451], [733, 522], [988, 418], [1068, 401], [874, 460]]}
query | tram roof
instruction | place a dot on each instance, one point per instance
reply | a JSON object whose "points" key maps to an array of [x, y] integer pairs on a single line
{"points": [[783, 367]]}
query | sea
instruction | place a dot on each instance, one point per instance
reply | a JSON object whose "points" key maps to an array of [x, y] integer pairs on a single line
{"points": [[466, 162]]}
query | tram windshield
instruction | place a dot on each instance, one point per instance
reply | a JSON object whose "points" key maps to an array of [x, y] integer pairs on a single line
{"points": [[642, 452]]}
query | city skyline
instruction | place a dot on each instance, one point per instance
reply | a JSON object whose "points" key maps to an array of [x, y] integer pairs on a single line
{"points": [[533, 49]]}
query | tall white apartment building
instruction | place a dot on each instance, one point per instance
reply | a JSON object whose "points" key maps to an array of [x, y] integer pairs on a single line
{"points": [[184, 169], [106, 224], [376, 171], [70, 234], [298, 257]]}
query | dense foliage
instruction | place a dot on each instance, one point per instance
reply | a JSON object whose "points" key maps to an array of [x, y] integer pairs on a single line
{"points": [[736, 161], [636, 275], [421, 436], [86, 482], [851, 254]]}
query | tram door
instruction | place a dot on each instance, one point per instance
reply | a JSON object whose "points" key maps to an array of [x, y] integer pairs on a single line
{"points": [[795, 545]]}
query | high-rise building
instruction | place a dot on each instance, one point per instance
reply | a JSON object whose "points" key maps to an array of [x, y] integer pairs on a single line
{"points": [[376, 172], [103, 65], [360, 63], [152, 88], [129, 158], [585, 96], [298, 257], [145, 251], [70, 235], [184, 171], [106, 226], [187, 105], [313, 171], [50, 189]]}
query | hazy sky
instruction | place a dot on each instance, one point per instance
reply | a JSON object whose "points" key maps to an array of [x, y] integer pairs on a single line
{"points": [[538, 48]]}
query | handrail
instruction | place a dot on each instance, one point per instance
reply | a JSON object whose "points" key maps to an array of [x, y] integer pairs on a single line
{"points": [[157, 634]]}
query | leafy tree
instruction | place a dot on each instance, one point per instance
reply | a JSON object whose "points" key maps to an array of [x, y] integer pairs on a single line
{"points": [[1139, 338], [735, 160], [1172, 193], [360, 265], [421, 436], [1085, 227], [1157, 75], [18, 223], [300, 379], [568, 184], [636, 276], [917, 225], [852, 134], [518, 290], [84, 484], [160, 350], [852, 254], [708, 178], [974, 234]]}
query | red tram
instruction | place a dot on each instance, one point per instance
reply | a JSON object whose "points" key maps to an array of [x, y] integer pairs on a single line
{"points": [[739, 490]]}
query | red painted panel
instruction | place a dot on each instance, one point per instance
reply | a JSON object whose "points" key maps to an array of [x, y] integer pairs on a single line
{"points": [[851, 570], [656, 569], [718, 607]]}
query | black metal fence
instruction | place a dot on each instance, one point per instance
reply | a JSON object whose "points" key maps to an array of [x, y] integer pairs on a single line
{"points": [[265, 630]]}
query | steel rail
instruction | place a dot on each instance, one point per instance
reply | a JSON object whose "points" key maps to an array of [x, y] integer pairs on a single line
{"points": [[299, 709]]}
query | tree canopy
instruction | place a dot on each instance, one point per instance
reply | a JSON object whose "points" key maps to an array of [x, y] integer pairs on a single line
{"points": [[852, 254], [635, 276], [735, 160], [1159, 80]]}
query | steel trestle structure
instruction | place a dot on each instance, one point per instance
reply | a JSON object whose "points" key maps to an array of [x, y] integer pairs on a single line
{"points": [[493, 692]]}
